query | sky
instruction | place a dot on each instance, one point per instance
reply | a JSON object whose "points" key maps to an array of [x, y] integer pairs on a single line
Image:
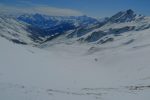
{"points": [[94, 8]]}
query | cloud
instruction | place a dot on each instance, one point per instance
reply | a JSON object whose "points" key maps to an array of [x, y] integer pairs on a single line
{"points": [[57, 11], [43, 9]]}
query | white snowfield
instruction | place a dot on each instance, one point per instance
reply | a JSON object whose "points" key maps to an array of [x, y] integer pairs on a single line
{"points": [[118, 70]]}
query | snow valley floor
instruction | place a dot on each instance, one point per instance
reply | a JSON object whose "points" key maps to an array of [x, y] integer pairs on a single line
{"points": [[45, 57], [76, 72]]}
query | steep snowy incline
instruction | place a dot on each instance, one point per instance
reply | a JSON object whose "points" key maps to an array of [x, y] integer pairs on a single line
{"points": [[14, 30]]}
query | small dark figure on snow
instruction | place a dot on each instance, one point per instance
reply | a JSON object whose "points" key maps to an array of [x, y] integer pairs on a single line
{"points": [[96, 59]]}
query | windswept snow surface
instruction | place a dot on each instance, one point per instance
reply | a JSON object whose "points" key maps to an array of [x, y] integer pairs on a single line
{"points": [[77, 72]]}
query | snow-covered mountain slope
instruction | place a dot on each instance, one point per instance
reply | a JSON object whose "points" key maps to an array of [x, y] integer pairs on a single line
{"points": [[108, 60], [111, 28], [55, 25], [75, 72], [123, 16], [14, 30], [45, 21], [57, 29]]}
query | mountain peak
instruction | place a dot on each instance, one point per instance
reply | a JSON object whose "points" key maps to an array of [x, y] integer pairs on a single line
{"points": [[123, 16], [130, 11]]}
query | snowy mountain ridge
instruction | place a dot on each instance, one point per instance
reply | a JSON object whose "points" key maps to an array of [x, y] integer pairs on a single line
{"points": [[43, 28], [108, 60], [107, 31]]}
